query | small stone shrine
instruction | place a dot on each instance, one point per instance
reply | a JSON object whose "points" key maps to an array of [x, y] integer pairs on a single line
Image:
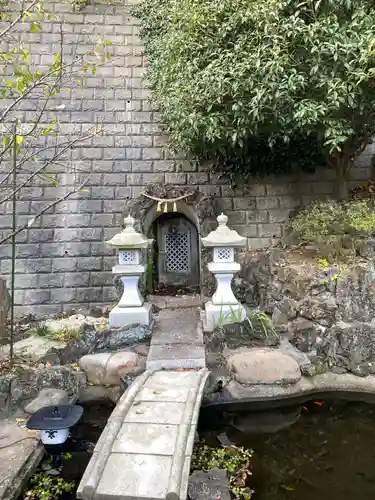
{"points": [[224, 307], [131, 308]]}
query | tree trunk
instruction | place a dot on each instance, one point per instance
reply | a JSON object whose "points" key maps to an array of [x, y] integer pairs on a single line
{"points": [[342, 173], [4, 309]]}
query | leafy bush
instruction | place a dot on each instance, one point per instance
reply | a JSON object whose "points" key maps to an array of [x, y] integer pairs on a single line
{"points": [[335, 229], [235, 76]]}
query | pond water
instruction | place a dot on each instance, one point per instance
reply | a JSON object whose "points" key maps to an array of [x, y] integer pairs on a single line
{"points": [[321, 450], [318, 450]]}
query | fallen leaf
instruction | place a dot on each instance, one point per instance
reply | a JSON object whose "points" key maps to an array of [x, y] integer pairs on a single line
{"points": [[287, 488]]}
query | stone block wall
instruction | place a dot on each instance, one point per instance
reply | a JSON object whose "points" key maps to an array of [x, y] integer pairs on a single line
{"points": [[62, 261]]}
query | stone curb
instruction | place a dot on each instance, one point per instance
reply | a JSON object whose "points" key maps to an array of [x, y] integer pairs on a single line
{"points": [[183, 448], [306, 386], [14, 489], [93, 472]]}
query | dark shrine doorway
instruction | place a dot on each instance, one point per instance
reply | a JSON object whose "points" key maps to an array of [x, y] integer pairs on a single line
{"points": [[176, 254]]}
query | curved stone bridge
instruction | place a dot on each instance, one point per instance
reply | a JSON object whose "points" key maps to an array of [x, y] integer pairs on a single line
{"points": [[145, 450]]}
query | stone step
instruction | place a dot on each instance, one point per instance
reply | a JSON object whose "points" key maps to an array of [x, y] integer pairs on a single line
{"points": [[177, 341], [174, 356], [177, 302]]}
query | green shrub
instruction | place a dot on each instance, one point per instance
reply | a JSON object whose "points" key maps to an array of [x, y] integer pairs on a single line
{"points": [[335, 229], [234, 77]]}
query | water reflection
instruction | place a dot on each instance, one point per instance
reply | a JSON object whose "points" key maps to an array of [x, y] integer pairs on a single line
{"points": [[321, 450]]}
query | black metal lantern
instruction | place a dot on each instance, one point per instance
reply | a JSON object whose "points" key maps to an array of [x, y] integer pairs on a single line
{"points": [[54, 423]]}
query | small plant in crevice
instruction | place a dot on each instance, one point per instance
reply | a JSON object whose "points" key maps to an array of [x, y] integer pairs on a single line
{"points": [[44, 487], [42, 330], [333, 273], [255, 321], [259, 321], [63, 335], [236, 460]]}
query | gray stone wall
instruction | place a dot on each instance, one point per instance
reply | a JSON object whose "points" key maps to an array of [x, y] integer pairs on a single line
{"points": [[62, 262]]}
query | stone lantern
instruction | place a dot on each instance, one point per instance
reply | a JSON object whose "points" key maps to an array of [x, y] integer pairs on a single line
{"points": [[132, 308], [224, 307]]}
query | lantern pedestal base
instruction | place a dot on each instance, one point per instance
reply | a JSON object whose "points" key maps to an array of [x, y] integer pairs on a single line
{"points": [[123, 316], [218, 315]]}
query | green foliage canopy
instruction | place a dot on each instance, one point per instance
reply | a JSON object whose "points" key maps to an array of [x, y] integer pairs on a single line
{"points": [[224, 73]]}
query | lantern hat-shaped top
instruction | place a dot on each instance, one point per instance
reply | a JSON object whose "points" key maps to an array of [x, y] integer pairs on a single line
{"points": [[55, 417], [129, 237], [223, 236]]}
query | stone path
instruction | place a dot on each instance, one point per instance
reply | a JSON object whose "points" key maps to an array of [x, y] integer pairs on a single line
{"points": [[145, 450], [177, 341], [20, 453]]}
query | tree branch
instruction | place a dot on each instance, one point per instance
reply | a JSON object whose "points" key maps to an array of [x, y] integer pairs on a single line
{"points": [[23, 12], [48, 162]]}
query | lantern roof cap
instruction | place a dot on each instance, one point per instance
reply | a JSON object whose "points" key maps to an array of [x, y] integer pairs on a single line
{"points": [[222, 236], [55, 417], [128, 237]]}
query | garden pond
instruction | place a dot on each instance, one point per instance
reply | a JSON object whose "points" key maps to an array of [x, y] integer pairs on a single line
{"points": [[322, 449]]}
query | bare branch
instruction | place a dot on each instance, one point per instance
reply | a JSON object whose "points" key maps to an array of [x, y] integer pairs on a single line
{"points": [[23, 12], [41, 212], [41, 81], [48, 162]]}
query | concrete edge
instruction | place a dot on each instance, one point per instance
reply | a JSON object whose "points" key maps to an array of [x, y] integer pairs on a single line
{"points": [[200, 329], [90, 479], [14, 489], [325, 382], [184, 442]]}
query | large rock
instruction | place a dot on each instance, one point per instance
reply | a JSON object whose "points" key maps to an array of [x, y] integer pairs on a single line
{"points": [[348, 345], [27, 382], [304, 333], [99, 393], [321, 309], [76, 323], [263, 366], [91, 340], [210, 485], [61, 377], [106, 368], [125, 336], [47, 397], [33, 347], [355, 293]]}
